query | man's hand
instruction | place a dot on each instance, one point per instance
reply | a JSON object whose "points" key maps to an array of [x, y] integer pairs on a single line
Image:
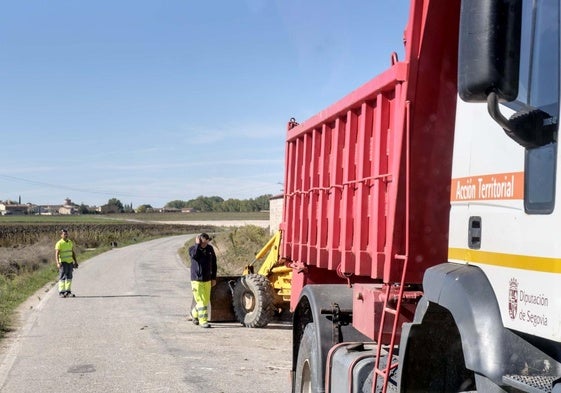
{"points": [[212, 283], [75, 265], [197, 239]]}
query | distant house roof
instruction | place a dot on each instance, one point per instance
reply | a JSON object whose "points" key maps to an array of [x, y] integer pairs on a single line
{"points": [[13, 208]]}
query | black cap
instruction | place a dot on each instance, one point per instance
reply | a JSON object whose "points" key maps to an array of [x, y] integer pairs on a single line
{"points": [[64, 230]]}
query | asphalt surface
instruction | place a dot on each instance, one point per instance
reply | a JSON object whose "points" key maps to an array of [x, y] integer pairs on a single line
{"points": [[126, 331]]}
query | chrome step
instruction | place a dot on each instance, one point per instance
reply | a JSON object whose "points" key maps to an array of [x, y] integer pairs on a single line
{"points": [[531, 383]]}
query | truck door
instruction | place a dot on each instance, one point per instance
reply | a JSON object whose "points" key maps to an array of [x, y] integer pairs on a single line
{"points": [[505, 204]]}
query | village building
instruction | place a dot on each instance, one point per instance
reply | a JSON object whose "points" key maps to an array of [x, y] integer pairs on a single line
{"points": [[68, 208], [13, 208], [276, 204]]}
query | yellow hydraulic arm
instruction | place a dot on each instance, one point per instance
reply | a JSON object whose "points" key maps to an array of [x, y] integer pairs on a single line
{"points": [[272, 248], [279, 275]]}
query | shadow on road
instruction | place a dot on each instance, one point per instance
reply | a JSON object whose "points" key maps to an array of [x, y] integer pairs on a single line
{"points": [[275, 326]]}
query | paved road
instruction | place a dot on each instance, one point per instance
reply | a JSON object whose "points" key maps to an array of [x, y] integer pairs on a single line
{"points": [[126, 332]]}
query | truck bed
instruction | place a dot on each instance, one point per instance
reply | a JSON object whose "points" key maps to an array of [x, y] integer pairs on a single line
{"points": [[367, 180]]}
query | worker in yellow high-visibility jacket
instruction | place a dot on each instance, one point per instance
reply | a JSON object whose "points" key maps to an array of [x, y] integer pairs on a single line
{"points": [[65, 262], [203, 277]]}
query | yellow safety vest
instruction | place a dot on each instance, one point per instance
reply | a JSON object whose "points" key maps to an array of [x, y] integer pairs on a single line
{"points": [[65, 250]]}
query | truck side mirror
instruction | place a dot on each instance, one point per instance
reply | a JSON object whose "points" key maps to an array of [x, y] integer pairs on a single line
{"points": [[489, 63], [489, 49]]}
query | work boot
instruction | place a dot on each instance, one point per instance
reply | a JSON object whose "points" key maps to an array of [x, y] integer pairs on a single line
{"points": [[191, 318], [205, 325]]}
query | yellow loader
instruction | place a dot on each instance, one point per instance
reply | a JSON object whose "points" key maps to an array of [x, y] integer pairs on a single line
{"points": [[257, 297]]}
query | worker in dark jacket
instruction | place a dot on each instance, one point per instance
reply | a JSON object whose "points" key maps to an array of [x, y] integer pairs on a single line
{"points": [[203, 277]]}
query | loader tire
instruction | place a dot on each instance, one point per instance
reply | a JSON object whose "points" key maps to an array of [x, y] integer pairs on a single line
{"points": [[308, 365], [253, 301]]}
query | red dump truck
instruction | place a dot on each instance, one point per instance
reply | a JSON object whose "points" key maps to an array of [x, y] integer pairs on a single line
{"points": [[421, 216]]}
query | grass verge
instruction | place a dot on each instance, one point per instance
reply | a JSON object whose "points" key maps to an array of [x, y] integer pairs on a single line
{"points": [[14, 291]]}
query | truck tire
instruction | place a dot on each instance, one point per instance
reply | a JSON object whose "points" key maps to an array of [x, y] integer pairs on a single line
{"points": [[253, 301], [307, 376]]}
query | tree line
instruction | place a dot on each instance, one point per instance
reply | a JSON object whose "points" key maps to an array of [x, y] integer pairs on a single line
{"points": [[199, 204]]}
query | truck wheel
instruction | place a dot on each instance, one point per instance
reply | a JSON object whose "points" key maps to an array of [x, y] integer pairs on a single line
{"points": [[306, 379], [253, 301]]}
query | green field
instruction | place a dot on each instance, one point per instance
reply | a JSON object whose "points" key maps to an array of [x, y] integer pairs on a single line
{"points": [[210, 216], [98, 218], [87, 218]]}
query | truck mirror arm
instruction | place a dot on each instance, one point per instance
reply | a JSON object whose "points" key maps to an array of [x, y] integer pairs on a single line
{"points": [[529, 128]]}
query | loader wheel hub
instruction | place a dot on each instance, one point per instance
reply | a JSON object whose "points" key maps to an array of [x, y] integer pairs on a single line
{"points": [[248, 301], [253, 300]]}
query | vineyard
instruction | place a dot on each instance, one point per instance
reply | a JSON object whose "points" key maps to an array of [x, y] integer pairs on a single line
{"points": [[90, 235], [16, 240]]}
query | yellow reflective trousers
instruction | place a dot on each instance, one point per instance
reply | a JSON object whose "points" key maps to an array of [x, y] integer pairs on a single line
{"points": [[201, 294]]}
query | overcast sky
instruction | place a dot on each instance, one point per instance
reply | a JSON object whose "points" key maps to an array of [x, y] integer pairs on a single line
{"points": [[160, 100]]}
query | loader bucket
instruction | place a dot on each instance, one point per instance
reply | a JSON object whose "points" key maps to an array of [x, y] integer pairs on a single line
{"points": [[221, 308]]}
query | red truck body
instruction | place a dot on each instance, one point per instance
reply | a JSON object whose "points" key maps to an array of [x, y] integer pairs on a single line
{"points": [[399, 283], [367, 181]]}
